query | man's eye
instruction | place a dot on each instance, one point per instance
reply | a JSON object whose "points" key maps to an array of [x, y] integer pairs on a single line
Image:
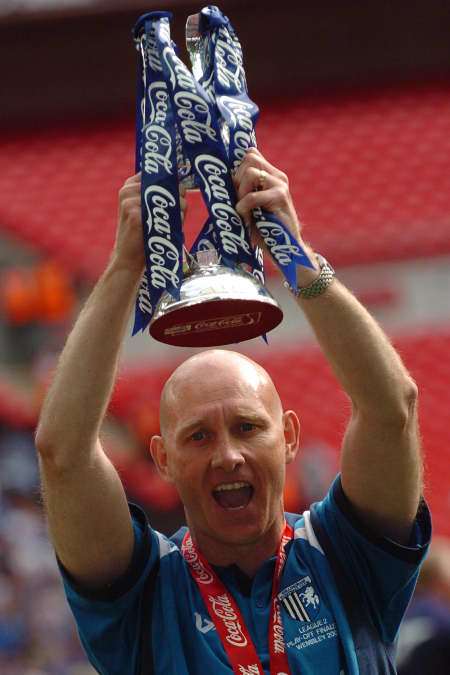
{"points": [[247, 426], [198, 436]]}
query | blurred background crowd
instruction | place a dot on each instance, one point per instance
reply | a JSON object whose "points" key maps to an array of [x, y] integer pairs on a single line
{"points": [[355, 108]]}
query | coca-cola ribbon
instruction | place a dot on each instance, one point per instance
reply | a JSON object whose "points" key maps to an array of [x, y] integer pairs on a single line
{"points": [[204, 59], [239, 113], [203, 146], [156, 158], [227, 617]]}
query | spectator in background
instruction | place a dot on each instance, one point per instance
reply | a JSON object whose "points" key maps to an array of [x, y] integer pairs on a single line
{"points": [[37, 636], [35, 300], [424, 644]]}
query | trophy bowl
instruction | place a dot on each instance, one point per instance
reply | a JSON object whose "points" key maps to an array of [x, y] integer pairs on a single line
{"points": [[217, 306]]}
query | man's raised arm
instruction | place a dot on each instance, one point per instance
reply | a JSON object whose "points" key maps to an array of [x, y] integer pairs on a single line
{"points": [[87, 511], [381, 458]]}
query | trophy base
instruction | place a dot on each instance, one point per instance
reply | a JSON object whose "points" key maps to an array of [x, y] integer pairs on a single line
{"points": [[216, 323], [217, 306]]}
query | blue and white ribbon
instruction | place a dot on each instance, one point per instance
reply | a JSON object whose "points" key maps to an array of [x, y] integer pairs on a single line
{"points": [[240, 114], [156, 157], [203, 146]]}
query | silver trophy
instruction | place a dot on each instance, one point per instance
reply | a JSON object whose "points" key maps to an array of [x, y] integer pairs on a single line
{"points": [[217, 305]]}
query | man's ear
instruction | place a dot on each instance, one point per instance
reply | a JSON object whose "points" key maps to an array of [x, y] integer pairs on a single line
{"points": [[159, 454], [291, 425]]}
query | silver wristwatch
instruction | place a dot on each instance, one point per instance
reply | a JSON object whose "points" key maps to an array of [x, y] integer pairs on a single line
{"points": [[319, 285]]}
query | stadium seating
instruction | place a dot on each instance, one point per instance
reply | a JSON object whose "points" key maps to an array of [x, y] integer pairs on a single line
{"points": [[353, 162]]}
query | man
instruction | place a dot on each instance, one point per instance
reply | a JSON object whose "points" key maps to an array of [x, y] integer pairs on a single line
{"points": [[244, 591]]}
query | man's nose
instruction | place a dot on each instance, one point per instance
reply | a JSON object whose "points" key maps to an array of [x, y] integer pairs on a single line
{"points": [[227, 456]]}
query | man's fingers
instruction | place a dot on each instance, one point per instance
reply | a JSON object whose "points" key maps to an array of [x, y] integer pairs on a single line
{"points": [[273, 199], [255, 179], [254, 159], [130, 205], [131, 187], [133, 180], [130, 194], [255, 155]]}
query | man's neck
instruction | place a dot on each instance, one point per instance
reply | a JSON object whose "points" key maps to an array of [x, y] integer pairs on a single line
{"points": [[247, 556]]}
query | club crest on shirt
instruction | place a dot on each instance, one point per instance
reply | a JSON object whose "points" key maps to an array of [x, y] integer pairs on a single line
{"points": [[301, 600]]}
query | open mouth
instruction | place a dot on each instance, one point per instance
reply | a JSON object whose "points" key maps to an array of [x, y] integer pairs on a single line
{"points": [[233, 496]]}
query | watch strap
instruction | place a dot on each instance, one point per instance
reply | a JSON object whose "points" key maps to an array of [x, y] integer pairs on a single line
{"points": [[319, 285]]}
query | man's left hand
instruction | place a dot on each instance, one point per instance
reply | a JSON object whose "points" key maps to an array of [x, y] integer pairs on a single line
{"points": [[259, 184]]}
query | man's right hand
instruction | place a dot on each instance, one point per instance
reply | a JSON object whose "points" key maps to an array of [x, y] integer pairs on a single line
{"points": [[129, 244]]}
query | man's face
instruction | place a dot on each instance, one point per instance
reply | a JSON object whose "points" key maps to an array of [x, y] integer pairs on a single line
{"points": [[225, 445]]}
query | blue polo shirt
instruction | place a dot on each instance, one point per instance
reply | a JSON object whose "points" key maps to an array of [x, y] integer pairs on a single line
{"points": [[180, 638]]}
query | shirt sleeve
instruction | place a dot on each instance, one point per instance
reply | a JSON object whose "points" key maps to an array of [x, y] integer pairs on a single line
{"points": [[384, 571], [109, 619]]}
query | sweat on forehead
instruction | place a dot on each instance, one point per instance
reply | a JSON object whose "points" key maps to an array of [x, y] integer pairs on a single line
{"points": [[221, 365]]}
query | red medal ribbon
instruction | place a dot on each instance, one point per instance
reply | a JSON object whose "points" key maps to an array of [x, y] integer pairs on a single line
{"points": [[227, 616]]}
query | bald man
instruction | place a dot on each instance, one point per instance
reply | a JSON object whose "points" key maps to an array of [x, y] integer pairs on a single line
{"points": [[245, 588]]}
